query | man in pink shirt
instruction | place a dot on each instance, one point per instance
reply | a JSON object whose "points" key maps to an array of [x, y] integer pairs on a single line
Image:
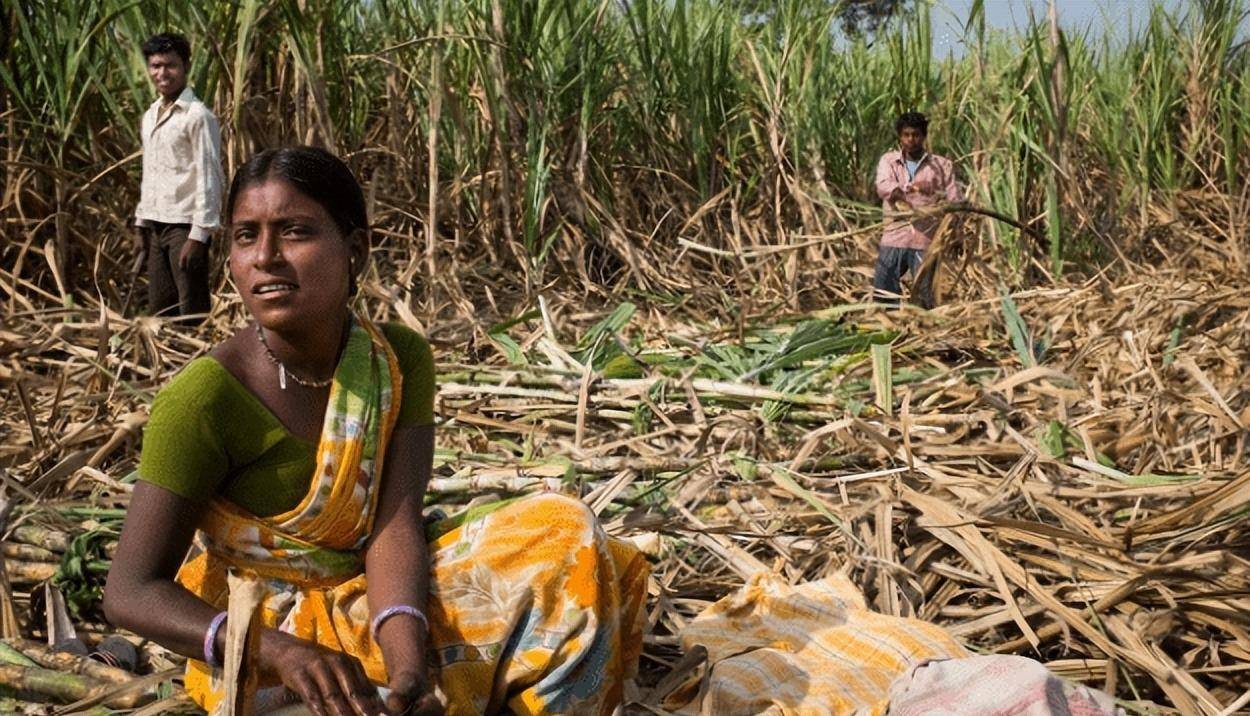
{"points": [[909, 178]]}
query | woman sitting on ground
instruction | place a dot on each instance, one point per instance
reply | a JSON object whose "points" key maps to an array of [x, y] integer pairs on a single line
{"points": [[300, 448]]}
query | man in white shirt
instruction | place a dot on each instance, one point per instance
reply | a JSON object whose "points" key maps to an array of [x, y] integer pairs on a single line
{"points": [[180, 195]]}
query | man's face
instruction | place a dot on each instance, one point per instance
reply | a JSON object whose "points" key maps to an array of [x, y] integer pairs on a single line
{"points": [[168, 73], [911, 141]]}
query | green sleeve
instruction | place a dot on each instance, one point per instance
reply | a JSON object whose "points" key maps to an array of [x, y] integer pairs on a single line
{"points": [[416, 363], [183, 451]]}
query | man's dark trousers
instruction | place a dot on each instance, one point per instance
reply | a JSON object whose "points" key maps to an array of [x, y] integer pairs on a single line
{"points": [[172, 291], [892, 263]]}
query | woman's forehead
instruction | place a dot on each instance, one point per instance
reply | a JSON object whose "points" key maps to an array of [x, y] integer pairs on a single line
{"points": [[275, 197]]}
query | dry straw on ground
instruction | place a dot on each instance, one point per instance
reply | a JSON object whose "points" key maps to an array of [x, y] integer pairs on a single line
{"points": [[1061, 475], [1059, 472]]}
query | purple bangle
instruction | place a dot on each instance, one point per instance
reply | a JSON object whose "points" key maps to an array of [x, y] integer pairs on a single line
{"points": [[392, 611], [210, 640]]}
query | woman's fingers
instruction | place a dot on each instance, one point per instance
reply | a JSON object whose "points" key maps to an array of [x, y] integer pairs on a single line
{"points": [[361, 694], [332, 696], [304, 686], [412, 694]]}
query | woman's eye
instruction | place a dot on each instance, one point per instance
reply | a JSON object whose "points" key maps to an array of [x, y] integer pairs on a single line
{"points": [[295, 232], [244, 236]]}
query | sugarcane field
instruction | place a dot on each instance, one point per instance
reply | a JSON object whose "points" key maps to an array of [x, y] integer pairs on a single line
{"points": [[656, 357]]}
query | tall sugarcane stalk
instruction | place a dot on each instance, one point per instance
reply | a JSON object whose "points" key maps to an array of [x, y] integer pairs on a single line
{"points": [[689, 98]]}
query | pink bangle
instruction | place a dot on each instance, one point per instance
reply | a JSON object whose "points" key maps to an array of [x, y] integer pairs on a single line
{"points": [[210, 640], [393, 611]]}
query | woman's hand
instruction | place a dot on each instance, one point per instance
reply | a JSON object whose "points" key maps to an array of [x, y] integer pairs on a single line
{"points": [[412, 693], [330, 683], [403, 642]]}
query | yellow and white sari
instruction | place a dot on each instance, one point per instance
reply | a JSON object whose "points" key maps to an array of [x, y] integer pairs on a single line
{"points": [[531, 606]]}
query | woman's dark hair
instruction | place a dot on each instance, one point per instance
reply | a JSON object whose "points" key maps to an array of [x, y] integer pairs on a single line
{"points": [[915, 120], [316, 173], [168, 42]]}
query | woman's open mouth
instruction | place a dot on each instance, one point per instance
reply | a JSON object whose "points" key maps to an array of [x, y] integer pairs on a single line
{"points": [[274, 289]]}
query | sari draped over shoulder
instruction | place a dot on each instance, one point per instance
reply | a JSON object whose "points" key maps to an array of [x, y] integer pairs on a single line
{"points": [[531, 605]]}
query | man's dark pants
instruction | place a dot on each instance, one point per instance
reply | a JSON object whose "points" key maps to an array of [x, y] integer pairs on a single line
{"points": [[172, 291], [892, 263]]}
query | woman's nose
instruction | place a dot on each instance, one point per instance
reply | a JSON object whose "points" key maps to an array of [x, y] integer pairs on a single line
{"points": [[269, 250]]}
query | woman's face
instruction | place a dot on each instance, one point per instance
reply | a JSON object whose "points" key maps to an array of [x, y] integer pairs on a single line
{"points": [[289, 260]]}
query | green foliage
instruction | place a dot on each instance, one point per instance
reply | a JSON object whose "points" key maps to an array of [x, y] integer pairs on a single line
{"points": [[644, 416], [498, 335], [600, 346], [772, 351], [1174, 340], [746, 468], [1021, 338], [83, 570], [787, 360], [883, 377], [1055, 439], [579, 99]]}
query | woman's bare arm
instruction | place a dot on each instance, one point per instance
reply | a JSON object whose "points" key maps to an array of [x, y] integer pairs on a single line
{"points": [[141, 594], [397, 564]]}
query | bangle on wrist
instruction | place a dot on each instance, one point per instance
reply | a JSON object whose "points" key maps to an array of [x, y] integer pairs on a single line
{"points": [[396, 610], [210, 640]]}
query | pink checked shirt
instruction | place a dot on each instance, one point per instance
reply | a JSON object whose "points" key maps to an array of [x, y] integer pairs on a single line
{"points": [[934, 183]]}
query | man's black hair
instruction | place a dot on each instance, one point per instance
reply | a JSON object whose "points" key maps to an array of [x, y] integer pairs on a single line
{"points": [[168, 42], [915, 120]]}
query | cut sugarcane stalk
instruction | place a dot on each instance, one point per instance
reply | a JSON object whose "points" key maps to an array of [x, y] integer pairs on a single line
{"points": [[883, 377], [36, 683], [43, 656]]}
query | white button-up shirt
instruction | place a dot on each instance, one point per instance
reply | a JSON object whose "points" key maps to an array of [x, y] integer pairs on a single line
{"points": [[182, 177]]}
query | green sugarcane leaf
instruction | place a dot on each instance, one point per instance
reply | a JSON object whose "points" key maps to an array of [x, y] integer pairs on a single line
{"points": [[1052, 439], [883, 377], [1018, 330]]}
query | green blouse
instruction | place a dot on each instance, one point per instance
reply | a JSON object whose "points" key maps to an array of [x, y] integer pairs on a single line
{"points": [[209, 434]]}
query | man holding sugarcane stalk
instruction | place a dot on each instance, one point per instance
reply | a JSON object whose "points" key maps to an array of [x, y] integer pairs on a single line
{"points": [[911, 183], [180, 194]]}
